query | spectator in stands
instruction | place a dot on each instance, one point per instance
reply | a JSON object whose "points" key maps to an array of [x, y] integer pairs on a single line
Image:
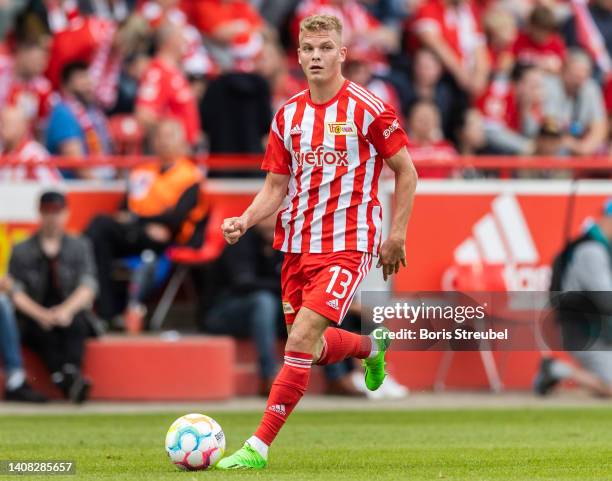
{"points": [[575, 101], [235, 28], [77, 126], [273, 66], [15, 386], [27, 87], [426, 84], [236, 112], [8, 12], [501, 29], [426, 138], [134, 67], [452, 30], [539, 44], [361, 30], [100, 43], [548, 143], [165, 91], [55, 284], [196, 59], [578, 31], [471, 139], [358, 68], [17, 144], [513, 111], [117, 10], [582, 273], [165, 205], [549, 139]]}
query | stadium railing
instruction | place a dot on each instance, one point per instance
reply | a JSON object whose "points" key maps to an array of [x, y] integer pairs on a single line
{"points": [[241, 162]]}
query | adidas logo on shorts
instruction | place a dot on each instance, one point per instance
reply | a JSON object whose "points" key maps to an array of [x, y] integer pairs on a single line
{"points": [[333, 304], [278, 408]]}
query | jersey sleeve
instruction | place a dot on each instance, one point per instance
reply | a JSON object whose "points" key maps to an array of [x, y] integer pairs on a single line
{"points": [[277, 158], [386, 133], [427, 18]]}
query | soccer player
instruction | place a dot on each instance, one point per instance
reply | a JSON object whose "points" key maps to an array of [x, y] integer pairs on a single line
{"points": [[324, 157]]}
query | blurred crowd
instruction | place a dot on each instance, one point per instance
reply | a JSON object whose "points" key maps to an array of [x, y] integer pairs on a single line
{"points": [[92, 77], [171, 78]]}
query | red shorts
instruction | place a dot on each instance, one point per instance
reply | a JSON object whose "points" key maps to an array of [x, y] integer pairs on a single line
{"points": [[325, 283]]}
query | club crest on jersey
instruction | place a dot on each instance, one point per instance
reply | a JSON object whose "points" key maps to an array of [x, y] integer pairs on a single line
{"points": [[341, 128], [320, 157]]}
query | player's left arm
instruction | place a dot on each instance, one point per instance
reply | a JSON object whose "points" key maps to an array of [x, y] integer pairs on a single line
{"points": [[390, 141], [393, 249]]}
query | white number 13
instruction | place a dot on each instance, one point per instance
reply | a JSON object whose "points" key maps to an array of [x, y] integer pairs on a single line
{"points": [[344, 284]]}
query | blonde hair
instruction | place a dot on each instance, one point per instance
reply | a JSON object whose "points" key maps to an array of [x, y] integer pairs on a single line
{"points": [[318, 23]]}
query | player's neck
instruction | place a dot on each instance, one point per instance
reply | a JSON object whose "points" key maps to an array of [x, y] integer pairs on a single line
{"points": [[324, 92]]}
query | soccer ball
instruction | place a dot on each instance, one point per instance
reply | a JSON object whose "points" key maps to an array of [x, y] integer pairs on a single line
{"points": [[195, 442]]}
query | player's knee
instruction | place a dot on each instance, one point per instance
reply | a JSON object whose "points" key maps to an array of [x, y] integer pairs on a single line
{"points": [[302, 340]]}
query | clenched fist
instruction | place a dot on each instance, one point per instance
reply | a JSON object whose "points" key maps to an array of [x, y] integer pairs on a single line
{"points": [[233, 229]]}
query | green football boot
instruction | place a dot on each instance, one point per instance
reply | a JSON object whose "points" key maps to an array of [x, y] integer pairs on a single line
{"points": [[375, 367], [245, 458]]}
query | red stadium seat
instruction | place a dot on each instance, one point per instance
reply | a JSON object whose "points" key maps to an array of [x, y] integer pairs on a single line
{"points": [[126, 134], [185, 258]]}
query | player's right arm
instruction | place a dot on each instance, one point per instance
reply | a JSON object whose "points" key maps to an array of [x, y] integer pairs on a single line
{"points": [[266, 203]]}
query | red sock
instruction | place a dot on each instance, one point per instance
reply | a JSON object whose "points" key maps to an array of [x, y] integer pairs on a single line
{"points": [[340, 344], [287, 390]]}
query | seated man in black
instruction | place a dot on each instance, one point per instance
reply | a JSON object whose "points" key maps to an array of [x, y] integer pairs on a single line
{"points": [[54, 286]]}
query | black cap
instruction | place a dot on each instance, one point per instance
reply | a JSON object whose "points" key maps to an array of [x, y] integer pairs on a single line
{"points": [[52, 201]]}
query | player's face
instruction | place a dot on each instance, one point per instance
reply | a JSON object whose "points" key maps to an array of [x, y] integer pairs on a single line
{"points": [[321, 55]]}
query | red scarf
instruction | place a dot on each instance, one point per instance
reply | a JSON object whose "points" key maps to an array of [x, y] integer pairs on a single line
{"points": [[86, 122]]}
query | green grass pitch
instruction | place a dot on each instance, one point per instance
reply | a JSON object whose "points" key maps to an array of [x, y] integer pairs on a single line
{"points": [[463, 445]]}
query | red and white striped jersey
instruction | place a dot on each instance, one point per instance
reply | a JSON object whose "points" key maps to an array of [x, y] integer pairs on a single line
{"points": [[36, 157], [333, 153]]}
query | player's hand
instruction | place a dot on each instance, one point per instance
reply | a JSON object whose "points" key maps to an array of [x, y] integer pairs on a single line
{"points": [[233, 229], [392, 254]]}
